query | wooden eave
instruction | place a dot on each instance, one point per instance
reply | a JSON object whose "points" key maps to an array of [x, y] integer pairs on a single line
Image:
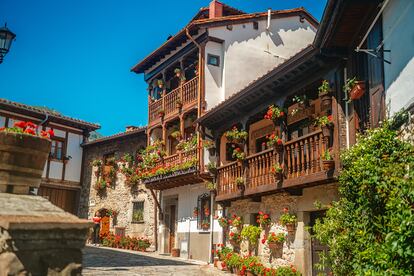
{"points": [[168, 182]]}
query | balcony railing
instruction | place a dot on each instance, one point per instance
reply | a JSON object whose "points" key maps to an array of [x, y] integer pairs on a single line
{"points": [[187, 93], [301, 160]]}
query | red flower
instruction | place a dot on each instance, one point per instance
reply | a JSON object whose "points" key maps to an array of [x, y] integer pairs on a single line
{"points": [[279, 141], [260, 213], [330, 118], [231, 234], [30, 124], [51, 132], [234, 216], [263, 241], [20, 124], [30, 131], [266, 216], [282, 114], [223, 265], [285, 210], [2, 128]]}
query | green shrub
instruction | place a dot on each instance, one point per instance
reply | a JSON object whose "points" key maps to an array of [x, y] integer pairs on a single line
{"points": [[370, 230]]}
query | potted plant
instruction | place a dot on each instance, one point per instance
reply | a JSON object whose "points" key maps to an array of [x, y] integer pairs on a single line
{"points": [[205, 225], [210, 146], [324, 93], [160, 83], [23, 156], [206, 211], [239, 155], [263, 220], [234, 238], [326, 125], [236, 136], [275, 113], [275, 241], [179, 103], [288, 220], [161, 113], [275, 142], [240, 183], [179, 74], [212, 168], [211, 187], [327, 161], [355, 89], [101, 184], [223, 222], [236, 221], [176, 134], [277, 171], [195, 212], [251, 233]]}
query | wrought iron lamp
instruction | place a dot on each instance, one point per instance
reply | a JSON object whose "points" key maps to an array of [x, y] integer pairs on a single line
{"points": [[6, 39]]}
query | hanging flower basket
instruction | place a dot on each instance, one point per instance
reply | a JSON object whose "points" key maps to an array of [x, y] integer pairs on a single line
{"points": [[357, 91], [326, 130], [278, 176], [326, 100]]}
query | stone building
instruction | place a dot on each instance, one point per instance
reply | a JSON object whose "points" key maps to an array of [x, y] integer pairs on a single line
{"points": [[127, 209]]}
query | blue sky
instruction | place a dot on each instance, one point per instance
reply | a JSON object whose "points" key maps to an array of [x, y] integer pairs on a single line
{"points": [[75, 56]]}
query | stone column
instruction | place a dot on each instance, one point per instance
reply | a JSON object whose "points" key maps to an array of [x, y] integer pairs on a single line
{"points": [[302, 245]]}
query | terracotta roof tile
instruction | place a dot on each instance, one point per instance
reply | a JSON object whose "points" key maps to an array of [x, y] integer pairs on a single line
{"points": [[116, 136], [40, 111]]}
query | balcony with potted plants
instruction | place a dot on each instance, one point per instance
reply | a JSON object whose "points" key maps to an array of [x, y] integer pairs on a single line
{"points": [[292, 149]]}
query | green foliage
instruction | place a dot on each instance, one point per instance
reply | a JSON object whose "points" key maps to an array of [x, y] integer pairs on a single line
{"points": [[236, 136], [324, 88], [370, 230], [222, 253], [251, 233]]}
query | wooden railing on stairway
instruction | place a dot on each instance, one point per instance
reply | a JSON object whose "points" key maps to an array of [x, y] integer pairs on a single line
{"points": [[300, 157]]}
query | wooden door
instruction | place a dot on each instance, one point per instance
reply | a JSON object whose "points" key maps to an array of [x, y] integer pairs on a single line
{"points": [[172, 228], [317, 247], [62, 198], [105, 225]]}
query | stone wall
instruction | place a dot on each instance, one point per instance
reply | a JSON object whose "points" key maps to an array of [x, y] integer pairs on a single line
{"points": [[119, 197], [297, 248]]}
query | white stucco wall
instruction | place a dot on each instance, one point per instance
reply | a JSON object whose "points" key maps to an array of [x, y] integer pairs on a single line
{"points": [[74, 150], [55, 170], [2, 121], [249, 53], [398, 33]]}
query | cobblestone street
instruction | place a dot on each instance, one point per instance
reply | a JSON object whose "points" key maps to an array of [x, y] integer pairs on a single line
{"points": [[108, 261]]}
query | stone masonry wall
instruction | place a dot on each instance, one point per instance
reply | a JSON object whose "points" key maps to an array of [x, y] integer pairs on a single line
{"points": [[120, 197]]}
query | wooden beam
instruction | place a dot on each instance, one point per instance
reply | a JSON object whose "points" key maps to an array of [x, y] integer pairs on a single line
{"points": [[154, 196]]}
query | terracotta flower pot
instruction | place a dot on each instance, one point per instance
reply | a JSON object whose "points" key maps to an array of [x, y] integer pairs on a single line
{"points": [[240, 187], [326, 100], [291, 227], [278, 176], [236, 270], [22, 160], [278, 148], [275, 246], [357, 91], [326, 130], [328, 165], [175, 252], [249, 273], [239, 162]]}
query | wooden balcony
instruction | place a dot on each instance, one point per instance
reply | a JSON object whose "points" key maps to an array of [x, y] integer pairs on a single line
{"points": [[190, 175], [187, 93], [302, 163]]}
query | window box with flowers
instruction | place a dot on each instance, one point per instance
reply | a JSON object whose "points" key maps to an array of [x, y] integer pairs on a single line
{"points": [[23, 155], [355, 89], [276, 114], [288, 220], [236, 136]]}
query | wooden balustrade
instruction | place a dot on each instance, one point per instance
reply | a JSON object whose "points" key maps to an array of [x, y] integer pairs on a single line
{"points": [[301, 157], [187, 93], [226, 177], [178, 158], [259, 167]]}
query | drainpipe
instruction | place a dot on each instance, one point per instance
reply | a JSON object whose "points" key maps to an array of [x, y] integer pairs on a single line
{"points": [[346, 111], [211, 228], [269, 17]]}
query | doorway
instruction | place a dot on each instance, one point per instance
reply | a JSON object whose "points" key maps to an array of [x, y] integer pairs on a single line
{"points": [[172, 228], [317, 248]]}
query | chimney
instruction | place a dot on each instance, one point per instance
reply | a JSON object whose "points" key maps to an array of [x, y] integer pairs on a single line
{"points": [[130, 128], [215, 9]]}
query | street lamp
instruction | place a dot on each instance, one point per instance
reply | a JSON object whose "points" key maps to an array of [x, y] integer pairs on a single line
{"points": [[6, 38]]}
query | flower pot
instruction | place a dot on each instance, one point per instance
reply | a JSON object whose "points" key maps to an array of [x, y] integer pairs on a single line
{"points": [[326, 130], [239, 162], [326, 100], [240, 187], [275, 246], [175, 252], [236, 270], [357, 91], [215, 261], [249, 273], [278, 121], [205, 227], [328, 165], [234, 243], [22, 161], [278, 148], [278, 176], [291, 227]]}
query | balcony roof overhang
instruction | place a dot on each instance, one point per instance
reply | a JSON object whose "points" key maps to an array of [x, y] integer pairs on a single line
{"points": [[168, 182]]}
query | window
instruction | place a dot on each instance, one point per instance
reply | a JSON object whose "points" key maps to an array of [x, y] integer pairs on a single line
{"points": [[261, 144], [56, 151], [213, 60], [138, 211], [256, 25], [204, 210]]}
